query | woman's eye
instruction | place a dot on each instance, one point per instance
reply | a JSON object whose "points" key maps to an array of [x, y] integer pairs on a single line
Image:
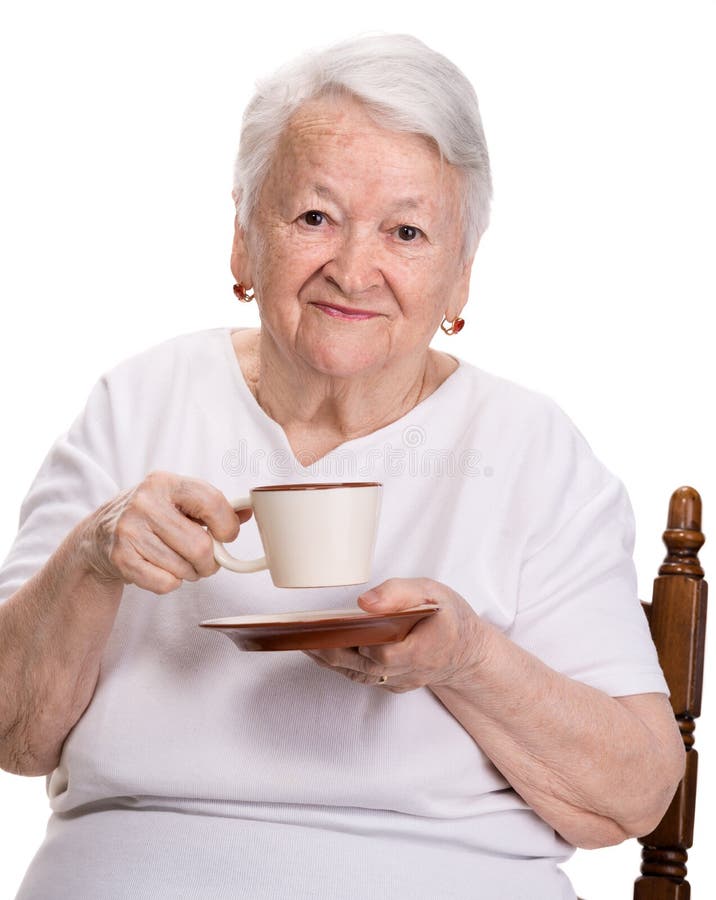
{"points": [[313, 217], [408, 232]]}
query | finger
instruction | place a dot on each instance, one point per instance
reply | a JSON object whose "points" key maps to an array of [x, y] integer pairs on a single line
{"points": [[187, 538], [348, 671], [207, 504], [400, 593], [372, 678], [330, 658], [386, 655], [350, 659], [317, 659], [374, 681], [153, 549], [426, 637], [344, 657], [389, 659], [243, 514], [144, 574]]}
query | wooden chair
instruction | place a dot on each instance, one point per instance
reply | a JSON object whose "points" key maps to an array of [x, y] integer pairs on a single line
{"points": [[677, 618]]}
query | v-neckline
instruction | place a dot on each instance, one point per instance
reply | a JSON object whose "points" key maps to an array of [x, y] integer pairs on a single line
{"points": [[251, 400]]}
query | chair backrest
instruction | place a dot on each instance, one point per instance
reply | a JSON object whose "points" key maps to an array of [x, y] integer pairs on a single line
{"points": [[677, 618]]}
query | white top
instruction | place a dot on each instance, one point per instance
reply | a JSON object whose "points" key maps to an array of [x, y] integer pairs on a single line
{"points": [[201, 770]]}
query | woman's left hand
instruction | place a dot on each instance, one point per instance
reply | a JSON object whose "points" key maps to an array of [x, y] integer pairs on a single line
{"points": [[442, 649]]}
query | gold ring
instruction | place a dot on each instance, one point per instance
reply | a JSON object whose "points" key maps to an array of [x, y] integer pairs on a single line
{"points": [[382, 679]]}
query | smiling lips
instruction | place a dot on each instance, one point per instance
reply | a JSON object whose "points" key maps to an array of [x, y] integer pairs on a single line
{"points": [[340, 312]]}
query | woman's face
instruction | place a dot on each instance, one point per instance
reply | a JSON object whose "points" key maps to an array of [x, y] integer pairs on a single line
{"points": [[359, 217]]}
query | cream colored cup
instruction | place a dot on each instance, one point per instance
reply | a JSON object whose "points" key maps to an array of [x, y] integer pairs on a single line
{"points": [[313, 535]]}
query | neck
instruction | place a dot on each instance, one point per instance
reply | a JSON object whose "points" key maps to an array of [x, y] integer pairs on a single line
{"points": [[336, 409]]}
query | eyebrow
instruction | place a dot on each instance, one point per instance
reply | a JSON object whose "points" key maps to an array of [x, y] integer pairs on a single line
{"points": [[401, 203]]}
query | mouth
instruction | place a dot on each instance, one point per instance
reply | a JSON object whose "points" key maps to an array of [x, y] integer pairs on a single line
{"points": [[341, 312]]}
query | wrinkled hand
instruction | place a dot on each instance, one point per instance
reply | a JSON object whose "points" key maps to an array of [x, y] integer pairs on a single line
{"points": [[151, 535], [442, 649]]}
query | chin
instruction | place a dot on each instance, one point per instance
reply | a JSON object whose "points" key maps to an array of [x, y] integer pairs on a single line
{"points": [[343, 359]]}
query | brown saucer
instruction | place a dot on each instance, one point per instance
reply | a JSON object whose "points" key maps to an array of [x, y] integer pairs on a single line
{"points": [[320, 628]]}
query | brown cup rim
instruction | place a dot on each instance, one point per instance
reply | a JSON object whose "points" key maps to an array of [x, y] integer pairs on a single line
{"points": [[318, 486]]}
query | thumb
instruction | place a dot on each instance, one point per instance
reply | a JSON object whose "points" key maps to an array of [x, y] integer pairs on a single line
{"points": [[371, 600], [393, 595]]}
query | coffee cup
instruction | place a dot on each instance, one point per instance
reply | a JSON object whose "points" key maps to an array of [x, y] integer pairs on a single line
{"points": [[313, 535]]}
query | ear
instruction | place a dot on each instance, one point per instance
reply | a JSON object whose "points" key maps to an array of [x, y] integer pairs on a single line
{"points": [[240, 264], [461, 289]]}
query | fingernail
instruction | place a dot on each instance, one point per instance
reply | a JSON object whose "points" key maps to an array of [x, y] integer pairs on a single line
{"points": [[370, 597]]}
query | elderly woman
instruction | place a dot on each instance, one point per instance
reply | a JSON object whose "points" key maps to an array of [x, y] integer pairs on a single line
{"points": [[527, 717]]}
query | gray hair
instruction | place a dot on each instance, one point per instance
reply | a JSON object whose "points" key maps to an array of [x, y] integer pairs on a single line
{"points": [[404, 85]]}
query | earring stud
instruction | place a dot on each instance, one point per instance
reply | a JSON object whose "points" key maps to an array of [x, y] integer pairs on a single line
{"points": [[456, 325], [240, 292]]}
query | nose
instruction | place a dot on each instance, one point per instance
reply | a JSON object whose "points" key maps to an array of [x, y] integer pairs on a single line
{"points": [[354, 268]]}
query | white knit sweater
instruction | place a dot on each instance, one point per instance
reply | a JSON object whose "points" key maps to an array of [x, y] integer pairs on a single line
{"points": [[199, 770]]}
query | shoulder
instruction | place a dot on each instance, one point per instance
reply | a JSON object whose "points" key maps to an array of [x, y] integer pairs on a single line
{"points": [[149, 396], [170, 356], [520, 410], [157, 383], [539, 446]]}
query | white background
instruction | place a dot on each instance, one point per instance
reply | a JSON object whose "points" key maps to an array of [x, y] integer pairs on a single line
{"points": [[593, 284]]}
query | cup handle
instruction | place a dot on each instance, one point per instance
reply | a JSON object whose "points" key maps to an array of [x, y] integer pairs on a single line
{"points": [[225, 559]]}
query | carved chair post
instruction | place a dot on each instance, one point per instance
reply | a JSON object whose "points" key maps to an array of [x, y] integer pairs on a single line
{"points": [[677, 618]]}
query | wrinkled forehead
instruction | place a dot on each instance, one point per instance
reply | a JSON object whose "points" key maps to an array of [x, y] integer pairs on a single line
{"points": [[346, 120], [343, 134]]}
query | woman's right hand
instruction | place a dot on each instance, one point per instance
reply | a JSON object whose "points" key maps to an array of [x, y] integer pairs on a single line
{"points": [[151, 535]]}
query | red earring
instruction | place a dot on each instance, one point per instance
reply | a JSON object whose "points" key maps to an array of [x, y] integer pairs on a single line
{"points": [[240, 292], [456, 325]]}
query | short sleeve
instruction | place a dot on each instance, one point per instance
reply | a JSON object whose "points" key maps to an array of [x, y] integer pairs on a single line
{"points": [[578, 608], [76, 477]]}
